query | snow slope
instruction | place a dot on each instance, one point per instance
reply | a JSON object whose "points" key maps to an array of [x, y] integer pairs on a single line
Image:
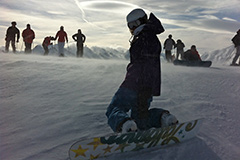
{"points": [[47, 103]]}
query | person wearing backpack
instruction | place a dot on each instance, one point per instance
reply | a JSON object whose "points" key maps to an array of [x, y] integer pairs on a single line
{"points": [[236, 42]]}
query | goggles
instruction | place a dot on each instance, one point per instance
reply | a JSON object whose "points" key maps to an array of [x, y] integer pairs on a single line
{"points": [[134, 24]]}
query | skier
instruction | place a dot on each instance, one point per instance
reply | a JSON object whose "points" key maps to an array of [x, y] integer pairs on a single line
{"points": [[192, 54], [142, 81], [168, 46], [11, 36], [46, 43], [180, 45], [80, 39], [28, 36], [61, 35], [236, 41]]}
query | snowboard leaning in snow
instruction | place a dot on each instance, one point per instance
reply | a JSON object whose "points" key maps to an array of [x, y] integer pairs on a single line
{"points": [[192, 63], [93, 148]]}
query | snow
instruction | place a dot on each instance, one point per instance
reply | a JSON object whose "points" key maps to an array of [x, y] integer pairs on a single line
{"points": [[48, 102]]}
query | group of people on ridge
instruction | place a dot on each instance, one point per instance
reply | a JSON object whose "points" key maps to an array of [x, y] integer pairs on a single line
{"points": [[29, 35], [190, 55]]}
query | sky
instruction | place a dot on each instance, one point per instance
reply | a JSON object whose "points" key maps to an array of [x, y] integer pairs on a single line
{"points": [[210, 25]]}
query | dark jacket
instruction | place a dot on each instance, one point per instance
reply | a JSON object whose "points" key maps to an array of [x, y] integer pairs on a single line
{"points": [[236, 40], [192, 55], [180, 46], [12, 32], [80, 38], [144, 70]]}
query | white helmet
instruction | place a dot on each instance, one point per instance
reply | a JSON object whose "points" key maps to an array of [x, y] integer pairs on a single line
{"points": [[135, 18]]}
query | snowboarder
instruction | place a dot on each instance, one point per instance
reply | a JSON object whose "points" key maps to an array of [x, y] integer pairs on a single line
{"points": [[169, 44], [192, 54], [11, 37], [46, 43], [80, 39], [236, 42], [61, 35], [28, 36], [142, 81], [180, 48]]}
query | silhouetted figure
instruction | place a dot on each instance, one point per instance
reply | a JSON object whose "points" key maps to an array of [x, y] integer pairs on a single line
{"points": [[142, 81], [61, 35], [192, 54], [168, 46], [80, 39], [46, 43], [180, 48], [28, 36], [236, 41], [11, 36]]}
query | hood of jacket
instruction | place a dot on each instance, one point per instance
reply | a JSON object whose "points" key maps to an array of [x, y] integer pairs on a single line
{"points": [[153, 25]]}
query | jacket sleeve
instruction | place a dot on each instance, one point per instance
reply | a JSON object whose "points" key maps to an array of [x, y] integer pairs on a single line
{"points": [[18, 34], [84, 38]]}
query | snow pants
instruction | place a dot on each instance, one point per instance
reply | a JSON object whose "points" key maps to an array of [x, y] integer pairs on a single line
{"points": [[79, 49], [12, 43], [237, 55], [125, 100], [61, 48], [168, 54], [28, 47]]}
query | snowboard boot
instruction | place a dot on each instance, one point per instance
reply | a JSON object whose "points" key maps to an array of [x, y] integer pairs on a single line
{"points": [[168, 119], [129, 126]]}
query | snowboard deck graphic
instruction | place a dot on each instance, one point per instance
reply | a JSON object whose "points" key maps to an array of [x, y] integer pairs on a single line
{"points": [[93, 148], [192, 63]]}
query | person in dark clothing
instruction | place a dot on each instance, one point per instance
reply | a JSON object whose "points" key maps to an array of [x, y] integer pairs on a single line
{"points": [[142, 81], [46, 43], [192, 54], [80, 39], [236, 42], [180, 48], [28, 36], [11, 37], [169, 44]]}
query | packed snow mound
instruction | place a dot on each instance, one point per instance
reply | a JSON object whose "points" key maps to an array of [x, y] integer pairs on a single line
{"points": [[222, 56]]}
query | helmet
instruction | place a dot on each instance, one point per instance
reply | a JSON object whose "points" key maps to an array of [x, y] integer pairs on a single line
{"points": [[135, 18]]}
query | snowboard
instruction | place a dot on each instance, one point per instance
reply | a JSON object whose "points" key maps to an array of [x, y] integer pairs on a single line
{"points": [[193, 63], [93, 148]]}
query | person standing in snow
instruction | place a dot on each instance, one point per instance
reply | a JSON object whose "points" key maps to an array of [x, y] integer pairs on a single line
{"points": [[46, 43], [62, 36], [28, 36], [192, 54], [169, 44], [142, 81], [80, 39], [180, 48], [236, 42], [11, 37]]}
